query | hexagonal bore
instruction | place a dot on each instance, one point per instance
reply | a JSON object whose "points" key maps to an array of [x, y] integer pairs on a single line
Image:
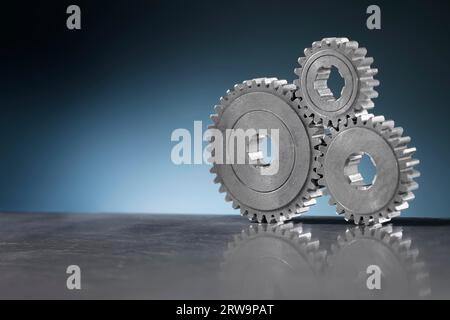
{"points": [[328, 83], [360, 170]]}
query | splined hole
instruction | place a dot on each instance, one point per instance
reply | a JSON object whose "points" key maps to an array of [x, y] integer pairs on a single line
{"points": [[259, 151], [329, 84], [360, 170]]}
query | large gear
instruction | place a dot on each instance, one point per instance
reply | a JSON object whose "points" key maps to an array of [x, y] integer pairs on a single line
{"points": [[306, 113], [402, 273], [354, 67], [268, 103], [392, 187], [273, 262]]}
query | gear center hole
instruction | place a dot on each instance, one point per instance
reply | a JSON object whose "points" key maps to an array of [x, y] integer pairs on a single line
{"points": [[329, 83], [360, 170], [259, 151]]}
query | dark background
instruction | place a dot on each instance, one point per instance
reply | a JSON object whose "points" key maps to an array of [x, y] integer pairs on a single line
{"points": [[86, 116]]}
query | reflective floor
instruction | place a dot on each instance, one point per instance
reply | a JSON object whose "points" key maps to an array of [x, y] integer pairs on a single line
{"points": [[213, 257]]}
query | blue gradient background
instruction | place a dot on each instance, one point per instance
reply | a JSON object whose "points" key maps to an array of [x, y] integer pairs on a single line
{"points": [[86, 116]]}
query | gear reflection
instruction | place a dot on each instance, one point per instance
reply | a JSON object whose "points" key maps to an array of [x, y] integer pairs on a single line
{"points": [[267, 262], [403, 275], [286, 262]]}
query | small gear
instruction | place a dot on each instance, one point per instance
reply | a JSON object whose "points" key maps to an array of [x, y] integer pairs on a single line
{"points": [[354, 67], [392, 187], [268, 103], [273, 262], [402, 273]]}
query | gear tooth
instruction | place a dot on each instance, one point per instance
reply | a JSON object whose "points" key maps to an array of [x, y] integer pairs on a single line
{"points": [[397, 132], [366, 104], [360, 52], [363, 61], [274, 83], [349, 235], [350, 46], [408, 163], [399, 141], [307, 52], [316, 45], [372, 71], [213, 169], [313, 245], [334, 44], [409, 175], [222, 189], [376, 120], [217, 108], [215, 118], [278, 84], [322, 148], [238, 87], [409, 196], [367, 73], [392, 214], [289, 87], [409, 186], [367, 220], [359, 121], [321, 182], [388, 125], [405, 244], [401, 206], [408, 152], [302, 60], [370, 83], [368, 93]]}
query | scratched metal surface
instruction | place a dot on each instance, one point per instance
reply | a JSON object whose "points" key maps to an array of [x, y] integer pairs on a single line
{"points": [[211, 257]]}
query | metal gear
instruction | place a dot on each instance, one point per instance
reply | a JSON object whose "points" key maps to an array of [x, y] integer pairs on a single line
{"points": [[392, 187], [268, 103], [403, 274], [354, 67], [273, 262]]}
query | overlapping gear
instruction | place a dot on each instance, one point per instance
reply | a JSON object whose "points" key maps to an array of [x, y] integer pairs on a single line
{"points": [[322, 139]]}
